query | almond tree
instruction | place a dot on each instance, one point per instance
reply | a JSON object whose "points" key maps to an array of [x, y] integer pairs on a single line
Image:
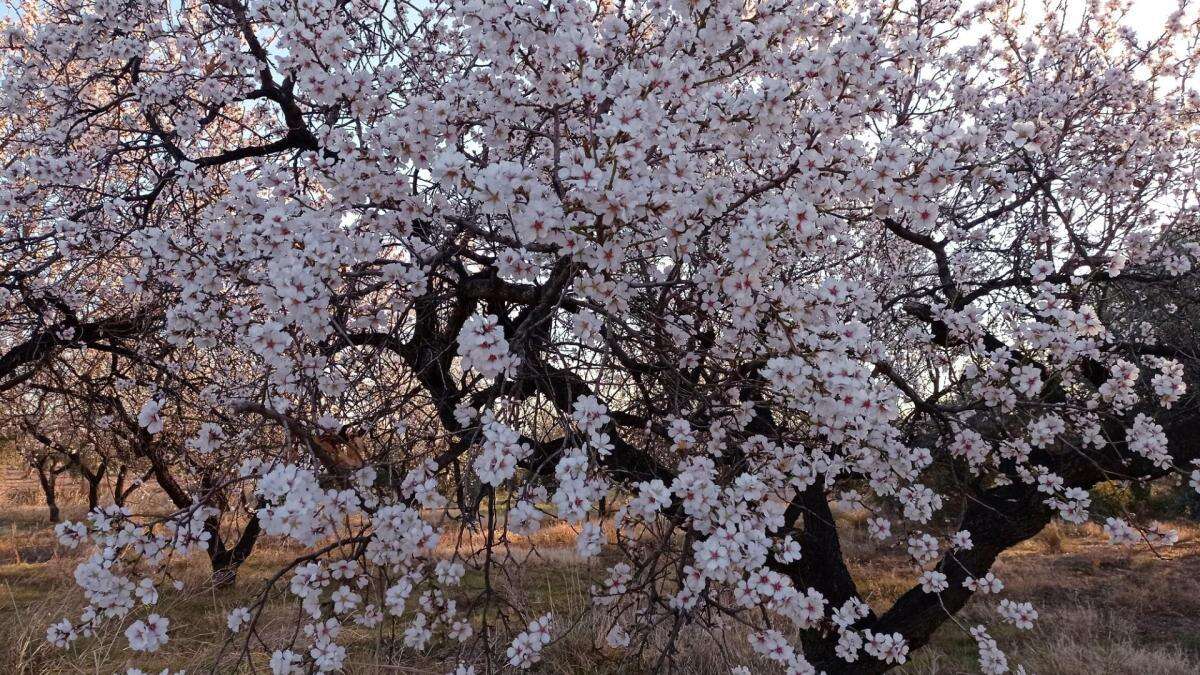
{"points": [[700, 269]]}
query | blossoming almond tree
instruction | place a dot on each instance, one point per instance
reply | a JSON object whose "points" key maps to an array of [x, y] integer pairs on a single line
{"points": [[678, 274]]}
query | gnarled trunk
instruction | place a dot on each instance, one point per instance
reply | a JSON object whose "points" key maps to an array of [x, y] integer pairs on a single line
{"points": [[227, 561]]}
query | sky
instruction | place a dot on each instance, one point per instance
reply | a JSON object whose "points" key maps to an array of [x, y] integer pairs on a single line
{"points": [[1148, 16]]}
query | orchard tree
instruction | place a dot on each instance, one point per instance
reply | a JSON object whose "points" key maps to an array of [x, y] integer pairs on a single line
{"points": [[59, 437], [96, 414], [684, 276]]}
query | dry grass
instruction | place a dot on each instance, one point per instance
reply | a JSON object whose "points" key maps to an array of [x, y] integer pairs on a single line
{"points": [[1104, 610]]}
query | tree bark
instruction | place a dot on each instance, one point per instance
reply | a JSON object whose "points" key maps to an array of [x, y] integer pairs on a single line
{"points": [[47, 479], [227, 561]]}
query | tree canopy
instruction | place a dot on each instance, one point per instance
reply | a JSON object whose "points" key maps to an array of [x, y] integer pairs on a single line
{"points": [[403, 282]]}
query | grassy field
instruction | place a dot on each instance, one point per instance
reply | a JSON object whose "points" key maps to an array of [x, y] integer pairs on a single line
{"points": [[1103, 609]]}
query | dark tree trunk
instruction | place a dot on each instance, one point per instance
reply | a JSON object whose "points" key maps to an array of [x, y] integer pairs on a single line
{"points": [[119, 487], [227, 561], [47, 479], [95, 480], [93, 491], [121, 491]]}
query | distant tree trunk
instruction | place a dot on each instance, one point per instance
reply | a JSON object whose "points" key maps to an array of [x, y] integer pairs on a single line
{"points": [[227, 561], [47, 478], [93, 493], [122, 491], [119, 491], [94, 480]]}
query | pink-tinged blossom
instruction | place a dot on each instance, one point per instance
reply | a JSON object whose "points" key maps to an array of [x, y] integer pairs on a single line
{"points": [[483, 348], [526, 648], [148, 635]]}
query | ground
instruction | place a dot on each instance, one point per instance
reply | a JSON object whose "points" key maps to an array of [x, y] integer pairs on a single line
{"points": [[1104, 610]]}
